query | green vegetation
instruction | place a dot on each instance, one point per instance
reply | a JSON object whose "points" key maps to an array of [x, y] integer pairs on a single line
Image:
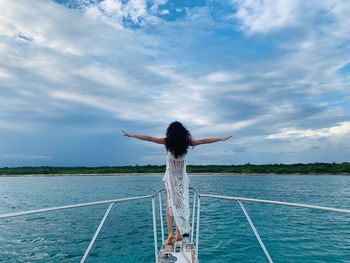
{"points": [[299, 168]]}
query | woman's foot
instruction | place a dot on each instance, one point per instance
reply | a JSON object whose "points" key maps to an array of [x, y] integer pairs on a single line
{"points": [[177, 234], [170, 240], [177, 237]]}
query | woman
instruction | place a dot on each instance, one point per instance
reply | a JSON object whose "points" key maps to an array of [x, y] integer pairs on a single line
{"points": [[175, 179]]}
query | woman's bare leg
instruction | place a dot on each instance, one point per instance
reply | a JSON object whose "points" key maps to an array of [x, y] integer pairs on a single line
{"points": [[170, 221], [177, 234]]}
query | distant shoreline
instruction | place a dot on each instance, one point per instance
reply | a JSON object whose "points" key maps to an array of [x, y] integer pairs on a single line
{"points": [[244, 169], [161, 174]]}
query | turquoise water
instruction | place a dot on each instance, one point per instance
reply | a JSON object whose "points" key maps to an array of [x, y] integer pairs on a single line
{"points": [[290, 234]]}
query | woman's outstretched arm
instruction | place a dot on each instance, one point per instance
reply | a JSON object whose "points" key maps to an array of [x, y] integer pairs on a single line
{"points": [[145, 137], [209, 140]]}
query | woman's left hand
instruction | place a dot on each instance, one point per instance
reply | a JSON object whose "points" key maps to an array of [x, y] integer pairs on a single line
{"points": [[226, 138]]}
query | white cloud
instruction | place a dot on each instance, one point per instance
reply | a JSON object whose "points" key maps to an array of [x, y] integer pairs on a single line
{"points": [[290, 133], [60, 62], [225, 128], [222, 77], [23, 127], [106, 76], [4, 73], [116, 12], [267, 15]]}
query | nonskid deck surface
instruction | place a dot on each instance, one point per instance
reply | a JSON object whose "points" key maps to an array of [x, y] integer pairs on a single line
{"points": [[184, 253]]}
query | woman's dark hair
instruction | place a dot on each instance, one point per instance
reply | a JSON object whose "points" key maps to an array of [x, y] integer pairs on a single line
{"points": [[178, 139]]}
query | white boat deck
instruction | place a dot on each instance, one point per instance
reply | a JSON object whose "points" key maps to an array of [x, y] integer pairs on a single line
{"points": [[184, 253]]}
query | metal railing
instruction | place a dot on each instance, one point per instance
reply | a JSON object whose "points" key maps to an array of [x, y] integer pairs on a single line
{"points": [[111, 203], [240, 201], [103, 220], [196, 207]]}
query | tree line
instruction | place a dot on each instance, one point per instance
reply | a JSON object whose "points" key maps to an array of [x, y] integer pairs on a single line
{"points": [[299, 168]]}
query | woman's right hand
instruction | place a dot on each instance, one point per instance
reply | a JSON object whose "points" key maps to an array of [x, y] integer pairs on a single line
{"points": [[127, 134]]}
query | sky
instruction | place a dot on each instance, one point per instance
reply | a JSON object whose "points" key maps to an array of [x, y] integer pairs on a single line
{"points": [[274, 74]]}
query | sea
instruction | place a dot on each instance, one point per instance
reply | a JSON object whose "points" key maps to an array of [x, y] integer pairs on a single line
{"points": [[289, 234]]}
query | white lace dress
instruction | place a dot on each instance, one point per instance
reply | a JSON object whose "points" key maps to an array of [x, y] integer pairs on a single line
{"points": [[177, 183]]}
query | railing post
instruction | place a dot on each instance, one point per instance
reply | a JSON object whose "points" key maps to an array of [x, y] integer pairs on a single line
{"points": [[96, 233], [155, 228], [197, 231], [161, 216], [255, 232], [193, 212]]}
